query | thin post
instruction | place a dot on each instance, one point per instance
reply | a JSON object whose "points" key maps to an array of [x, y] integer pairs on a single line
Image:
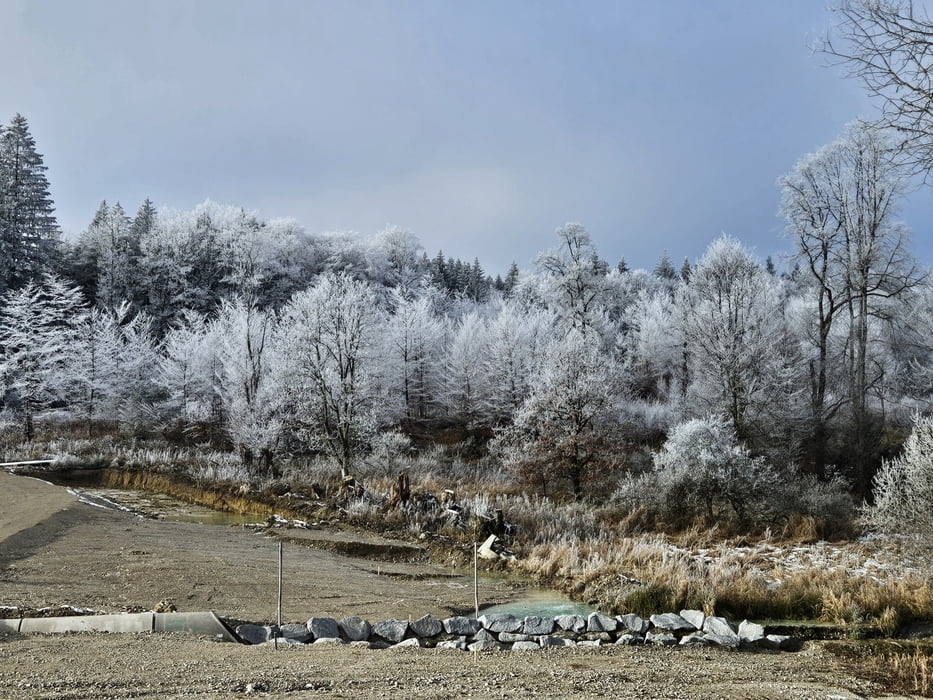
{"points": [[475, 579], [278, 616]]}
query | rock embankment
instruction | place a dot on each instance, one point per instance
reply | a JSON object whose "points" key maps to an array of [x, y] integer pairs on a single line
{"points": [[500, 631]]}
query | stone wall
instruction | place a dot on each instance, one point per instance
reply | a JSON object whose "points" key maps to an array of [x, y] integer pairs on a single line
{"points": [[522, 634]]}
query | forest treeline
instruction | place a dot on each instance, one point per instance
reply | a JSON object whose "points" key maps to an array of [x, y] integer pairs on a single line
{"points": [[214, 325]]}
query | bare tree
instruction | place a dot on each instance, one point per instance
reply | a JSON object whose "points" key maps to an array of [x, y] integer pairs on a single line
{"points": [[888, 46], [840, 205]]}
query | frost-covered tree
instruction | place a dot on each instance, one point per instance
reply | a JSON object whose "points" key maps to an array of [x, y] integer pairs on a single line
{"points": [[415, 337], [575, 280], [465, 386], [111, 368], [840, 205], [330, 372], [251, 399], [903, 489], [38, 334], [733, 332], [29, 235], [564, 429], [188, 371], [516, 339]]}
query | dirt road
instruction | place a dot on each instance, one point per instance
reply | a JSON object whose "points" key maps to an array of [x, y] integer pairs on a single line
{"points": [[55, 550]]}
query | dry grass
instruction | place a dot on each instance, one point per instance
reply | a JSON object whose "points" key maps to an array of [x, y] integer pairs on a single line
{"points": [[902, 667]]}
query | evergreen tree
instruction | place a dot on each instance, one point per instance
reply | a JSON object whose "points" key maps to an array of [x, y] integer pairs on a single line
{"points": [[511, 279], [622, 266], [29, 234], [685, 270], [664, 269]]}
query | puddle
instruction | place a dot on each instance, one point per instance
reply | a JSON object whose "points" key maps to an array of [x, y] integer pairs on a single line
{"points": [[158, 505], [541, 603]]}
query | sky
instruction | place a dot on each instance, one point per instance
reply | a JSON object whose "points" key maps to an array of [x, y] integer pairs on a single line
{"points": [[479, 126]]}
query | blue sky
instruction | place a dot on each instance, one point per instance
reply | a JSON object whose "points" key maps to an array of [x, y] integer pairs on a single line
{"points": [[479, 126]]}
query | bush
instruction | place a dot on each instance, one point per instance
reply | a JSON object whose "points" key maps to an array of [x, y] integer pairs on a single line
{"points": [[903, 489], [704, 476]]}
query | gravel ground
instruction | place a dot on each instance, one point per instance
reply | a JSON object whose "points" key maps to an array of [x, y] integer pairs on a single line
{"points": [[56, 551]]}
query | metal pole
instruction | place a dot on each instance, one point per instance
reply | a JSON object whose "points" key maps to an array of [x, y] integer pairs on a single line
{"points": [[475, 580], [279, 616]]}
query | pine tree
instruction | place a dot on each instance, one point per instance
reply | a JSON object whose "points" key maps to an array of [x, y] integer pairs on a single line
{"points": [[511, 279], [29, 234]]}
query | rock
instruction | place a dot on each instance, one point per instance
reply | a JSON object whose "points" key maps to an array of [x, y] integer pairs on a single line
{"points": [[661, 638], [426, 626], [484, 645], [323, 627], [633, 623], [751, 632], [413, 642], [628, 639], [512, 637], [694, 617], [781, 642], [467, 626], [556, 642], [538, 625], [484, 635], [366, 644], [718, 631], [391, 630], [693, 639], [297, 633], [526, 646], [356, 629], [723, 640], [255, 634], [672, 622], [500, 623], [329, 640], [595, 637], [572, 623], [453, 644], [597, 622], [486, 551]]}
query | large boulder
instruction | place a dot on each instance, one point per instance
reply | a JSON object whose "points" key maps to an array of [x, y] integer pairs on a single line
{"points": [[718, 631], [466, 626], [538, 625], [323, 627], [751, 632], [484, 645], [356, 629], [526, 646], [512, 637], [571, 623], [255, 634], [392, 631], [694, 617], [672, 622], [633, 623], [597, 622], [426, 626], [292, 632], [500, 622]]}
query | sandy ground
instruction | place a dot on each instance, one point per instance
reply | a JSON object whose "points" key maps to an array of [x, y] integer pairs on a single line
{"points": [[55, 550]]}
